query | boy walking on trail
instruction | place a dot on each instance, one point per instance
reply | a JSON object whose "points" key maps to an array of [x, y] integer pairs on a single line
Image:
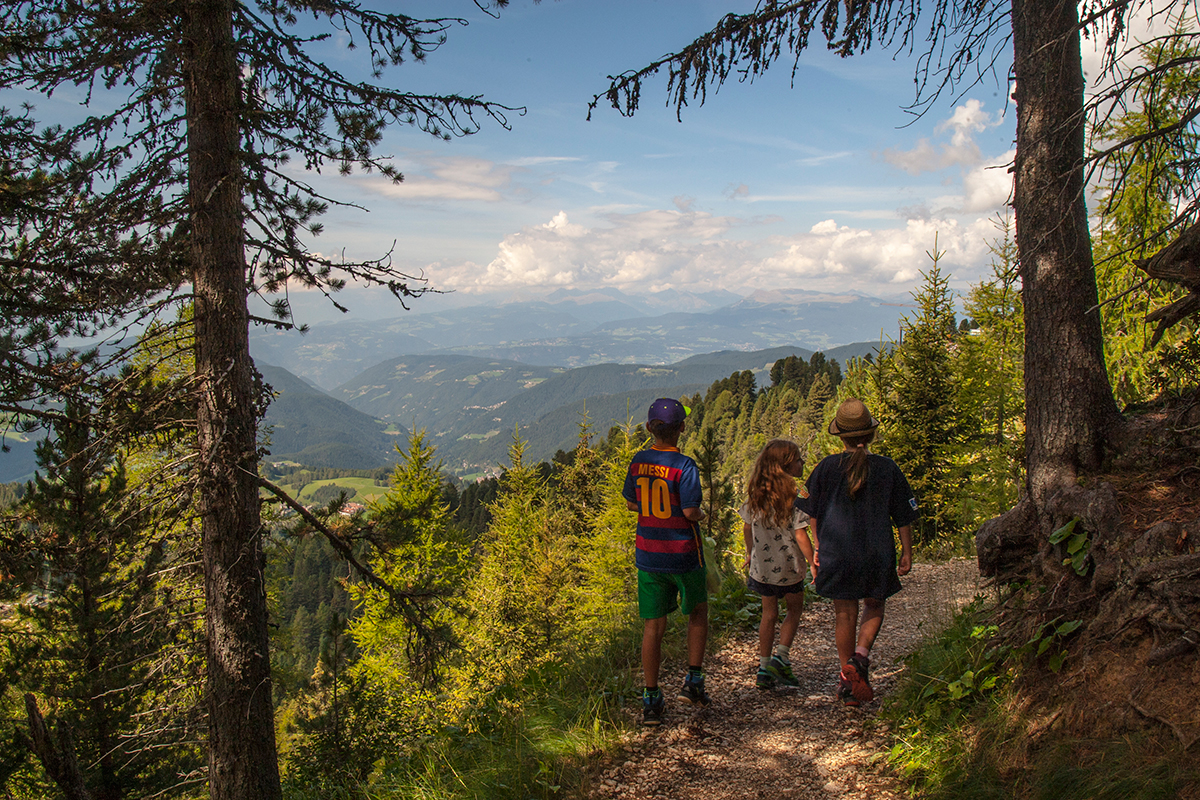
{"points": [[663, 487]]}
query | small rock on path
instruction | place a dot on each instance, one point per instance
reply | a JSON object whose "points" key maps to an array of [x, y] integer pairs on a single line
{"points": [[788, 743]]}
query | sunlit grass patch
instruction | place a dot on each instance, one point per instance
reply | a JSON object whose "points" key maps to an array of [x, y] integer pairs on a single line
{"points": [[365, 488]]}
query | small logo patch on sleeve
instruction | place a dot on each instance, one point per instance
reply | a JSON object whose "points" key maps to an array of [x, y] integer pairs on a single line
{"points": [[912, 502]]}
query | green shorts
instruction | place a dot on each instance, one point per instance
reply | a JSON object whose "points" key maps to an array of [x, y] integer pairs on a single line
{"points": [[657, 592]]}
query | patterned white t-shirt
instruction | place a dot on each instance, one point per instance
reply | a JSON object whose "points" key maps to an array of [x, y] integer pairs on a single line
{"points": [[776, 558]]}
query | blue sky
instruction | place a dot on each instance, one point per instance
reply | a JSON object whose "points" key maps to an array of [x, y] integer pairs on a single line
{"points": [[827, 186]]}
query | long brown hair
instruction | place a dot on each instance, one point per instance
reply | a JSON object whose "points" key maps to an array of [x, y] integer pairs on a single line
{"points": [[772, 490], [857, 466]]}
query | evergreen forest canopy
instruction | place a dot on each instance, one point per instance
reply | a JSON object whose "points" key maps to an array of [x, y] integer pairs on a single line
{"points": [[423, 632]]}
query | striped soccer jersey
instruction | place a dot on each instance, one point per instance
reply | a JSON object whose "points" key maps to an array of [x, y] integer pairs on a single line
{"points": [[662, 482]]}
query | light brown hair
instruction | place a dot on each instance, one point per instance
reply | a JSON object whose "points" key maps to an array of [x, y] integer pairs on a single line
{"points": [[772, 491], [857, 466]]}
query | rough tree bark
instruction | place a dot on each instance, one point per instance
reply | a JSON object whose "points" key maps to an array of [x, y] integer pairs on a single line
{"points": [[241, 749], [1070, 411]]}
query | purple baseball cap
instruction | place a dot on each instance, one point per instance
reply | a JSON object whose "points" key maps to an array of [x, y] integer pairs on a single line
{"points": [[664, 409]]}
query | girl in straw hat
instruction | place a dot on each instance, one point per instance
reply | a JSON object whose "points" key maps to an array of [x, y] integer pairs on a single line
{"points": [[854, 499]]}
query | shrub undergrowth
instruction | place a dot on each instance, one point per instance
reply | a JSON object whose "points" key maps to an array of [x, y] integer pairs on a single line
{"points": [[529, 739], [962, 728], [535, 738]]}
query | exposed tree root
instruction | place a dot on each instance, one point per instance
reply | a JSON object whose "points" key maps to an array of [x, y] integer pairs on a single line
{"points": [[1136, 593], [1005, 544], [1187, 739]]}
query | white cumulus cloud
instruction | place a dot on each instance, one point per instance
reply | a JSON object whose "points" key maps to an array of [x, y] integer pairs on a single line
{"points": [[833, 257], [962, 150], [989, 187], [648, 251], [645, 249]]}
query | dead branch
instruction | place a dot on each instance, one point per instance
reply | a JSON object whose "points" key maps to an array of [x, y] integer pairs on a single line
{"points": [[401, 599], [1178, 262], [1169, 315], [58, 758]]}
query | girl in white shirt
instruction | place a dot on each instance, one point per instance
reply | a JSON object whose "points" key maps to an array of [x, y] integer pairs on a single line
{"points": [[779, 555]]}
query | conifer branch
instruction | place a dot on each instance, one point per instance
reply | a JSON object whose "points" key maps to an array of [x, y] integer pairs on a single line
{"points": [[403, 600]]}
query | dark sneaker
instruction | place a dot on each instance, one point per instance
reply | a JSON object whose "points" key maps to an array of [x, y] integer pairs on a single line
{"points": [[781, 671], [856, 671], [652, 709], [764, 679], [693, 692]]}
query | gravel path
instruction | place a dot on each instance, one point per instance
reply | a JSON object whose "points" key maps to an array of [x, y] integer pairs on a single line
{"points": [[788, 743]]}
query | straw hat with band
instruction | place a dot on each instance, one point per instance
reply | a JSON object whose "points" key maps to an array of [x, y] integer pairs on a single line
{"points": [[852, 419]]}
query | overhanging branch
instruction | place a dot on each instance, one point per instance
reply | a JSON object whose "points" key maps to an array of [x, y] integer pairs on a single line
{"points": [[402, 599]]}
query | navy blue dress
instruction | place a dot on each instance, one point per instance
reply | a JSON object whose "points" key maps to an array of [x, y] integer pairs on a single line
{"points": [[857, 549]]}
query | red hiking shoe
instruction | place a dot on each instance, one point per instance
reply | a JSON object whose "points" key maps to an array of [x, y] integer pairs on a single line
{"points": [[854, 679], [845, 691]]}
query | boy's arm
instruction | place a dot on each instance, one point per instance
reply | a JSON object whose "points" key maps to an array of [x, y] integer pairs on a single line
{"points": [[629, 492], [905, 550], [689, 492], [816, 545]]}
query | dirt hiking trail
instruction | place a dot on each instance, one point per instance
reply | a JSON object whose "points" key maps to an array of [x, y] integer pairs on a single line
{"points": [[798, 742]]}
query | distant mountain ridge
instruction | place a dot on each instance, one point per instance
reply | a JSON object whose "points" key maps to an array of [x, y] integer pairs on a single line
{"points": [[574, 328], [439, 392], [471, 406]]}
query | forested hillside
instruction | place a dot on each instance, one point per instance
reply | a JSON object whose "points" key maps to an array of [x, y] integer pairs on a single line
{"points": [[470, 407], [307, 426], [181, 617]]}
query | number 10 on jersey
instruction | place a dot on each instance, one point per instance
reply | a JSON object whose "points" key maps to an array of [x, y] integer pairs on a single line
{"points": [[655, 497]]}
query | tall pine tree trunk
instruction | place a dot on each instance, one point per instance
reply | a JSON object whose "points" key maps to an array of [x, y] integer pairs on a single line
{"points": [[241, 749], [1070, 410]]}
